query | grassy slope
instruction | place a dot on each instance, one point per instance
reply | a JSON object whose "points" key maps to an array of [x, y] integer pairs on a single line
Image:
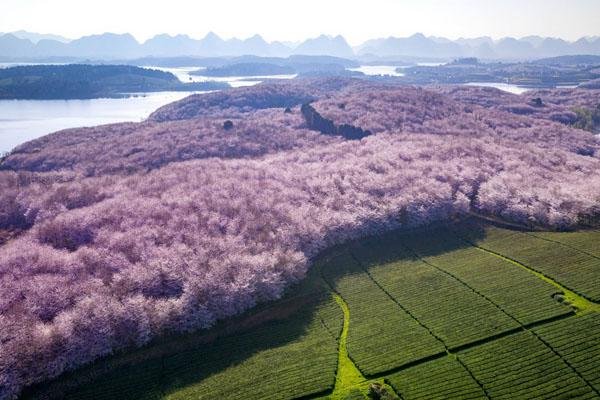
{"points": [[392, 309]]}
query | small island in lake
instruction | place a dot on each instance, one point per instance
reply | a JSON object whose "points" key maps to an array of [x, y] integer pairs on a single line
{"points": [[246, 69], [80, 81], [305, 66]]}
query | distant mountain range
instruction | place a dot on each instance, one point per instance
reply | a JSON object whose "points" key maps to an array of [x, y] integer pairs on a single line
{"points": [[21, 45], [36, 37], [527, 48]]}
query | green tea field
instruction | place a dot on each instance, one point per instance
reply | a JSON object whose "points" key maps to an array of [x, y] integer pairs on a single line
{"points": [[467, 310]]}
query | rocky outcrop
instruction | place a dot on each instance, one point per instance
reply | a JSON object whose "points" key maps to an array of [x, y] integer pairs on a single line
{"points": [[352, 132], [536, 102], [316, 122]]}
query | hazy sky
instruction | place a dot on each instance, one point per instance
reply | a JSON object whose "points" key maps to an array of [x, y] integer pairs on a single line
{"points": [[299, 19]]}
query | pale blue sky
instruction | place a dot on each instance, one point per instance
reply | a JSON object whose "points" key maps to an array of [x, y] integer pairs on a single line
{"points": [[299, 19]]}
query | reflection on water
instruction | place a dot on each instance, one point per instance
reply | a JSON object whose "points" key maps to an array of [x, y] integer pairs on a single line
{"points": [[383, 70], [507, 87], [390, 70], [24, 120], [183, 74], [431, 64]]}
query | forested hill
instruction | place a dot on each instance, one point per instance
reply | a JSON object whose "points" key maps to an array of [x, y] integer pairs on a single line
{"points": [[121, 234], [247, 69], [79, 81]]}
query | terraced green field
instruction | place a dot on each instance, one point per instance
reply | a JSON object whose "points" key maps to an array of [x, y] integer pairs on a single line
{"points": [[449, 308], [446, 378], [463, 311], [577, 341], [522, 366], [378, 323], [567, 259]]}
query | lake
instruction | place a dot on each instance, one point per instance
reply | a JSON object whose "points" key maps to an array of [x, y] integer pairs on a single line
{"points": [[183, 73], [507, 87], [24, 120], [378, 70]]}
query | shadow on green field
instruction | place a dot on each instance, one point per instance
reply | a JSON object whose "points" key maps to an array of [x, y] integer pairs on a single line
{"points": [[245, 350], [431, 241], [175, 362]]}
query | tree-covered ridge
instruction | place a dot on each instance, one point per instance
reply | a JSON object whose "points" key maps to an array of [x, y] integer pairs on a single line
{"points": [[247, 69], [307, 66], [541, 73], [80, 81], [577, 107]]}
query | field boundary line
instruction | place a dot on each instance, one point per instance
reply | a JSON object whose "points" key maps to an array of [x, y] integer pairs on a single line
{"points": [[448, 350], [521, 327], [387, 382], [579, 300], [524, 327], [477, 292], [396, 301], [510, 332], [481, 385], [566, 362], [312, 396], [327, 329], [563, 244], [410, 364], [454, 351]]}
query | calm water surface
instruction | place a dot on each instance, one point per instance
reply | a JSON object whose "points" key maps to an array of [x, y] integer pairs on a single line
{"points": [[507, 87], [183, 73], [382, 70], [24, 120]]}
